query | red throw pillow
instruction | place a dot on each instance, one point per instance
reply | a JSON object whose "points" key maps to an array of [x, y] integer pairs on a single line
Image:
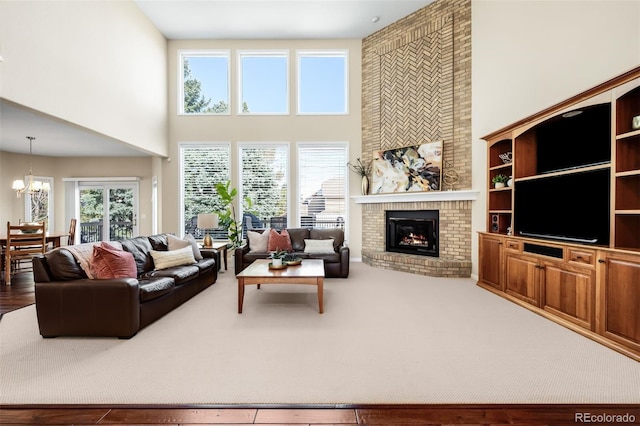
{"points": [[280, 242], [109, 262]]}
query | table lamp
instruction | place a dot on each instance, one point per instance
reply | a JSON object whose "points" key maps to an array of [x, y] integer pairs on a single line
{"points": [[207, 221]]}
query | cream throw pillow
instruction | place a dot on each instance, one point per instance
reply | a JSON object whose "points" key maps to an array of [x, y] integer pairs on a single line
{"points": [[319, 246], [169, 259], [258, 242], [174, 243]]}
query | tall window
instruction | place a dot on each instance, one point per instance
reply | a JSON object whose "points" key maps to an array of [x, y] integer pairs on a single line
{"points": [[322, 82], [322, 184], [264, 82], [264, 178], [39, 205], [204, 82], [202, 166]]}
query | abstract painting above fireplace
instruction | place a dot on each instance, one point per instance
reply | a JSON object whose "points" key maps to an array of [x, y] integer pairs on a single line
{"points": [[412, 232], [407, 169]]}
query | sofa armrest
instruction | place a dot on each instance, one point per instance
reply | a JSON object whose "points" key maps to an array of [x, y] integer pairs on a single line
{"points": [[238, 257], [344, 261], [88, 307]]}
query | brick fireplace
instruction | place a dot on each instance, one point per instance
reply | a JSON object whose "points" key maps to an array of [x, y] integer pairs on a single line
{"points": [[454, 235], [416, 88]]}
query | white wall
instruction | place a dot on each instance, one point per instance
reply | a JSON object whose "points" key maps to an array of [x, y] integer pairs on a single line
{"points": [[529, 55], [97, 64]]}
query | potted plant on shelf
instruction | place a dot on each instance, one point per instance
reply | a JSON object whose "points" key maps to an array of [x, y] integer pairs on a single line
{"points": [[277, 258], [363, 170], [499, 181]]}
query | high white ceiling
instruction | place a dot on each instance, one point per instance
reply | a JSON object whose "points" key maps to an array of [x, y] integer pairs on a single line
{"points": [[205, 19], [270, 19]]}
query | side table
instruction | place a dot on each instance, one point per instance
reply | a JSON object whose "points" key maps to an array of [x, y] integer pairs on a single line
{"points": [[220, 246]]}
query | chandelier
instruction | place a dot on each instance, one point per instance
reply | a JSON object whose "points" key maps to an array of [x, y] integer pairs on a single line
{"points": [[32, 186]]}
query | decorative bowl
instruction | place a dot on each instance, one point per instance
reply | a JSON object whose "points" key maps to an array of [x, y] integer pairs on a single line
{"points": [[271, 266]]}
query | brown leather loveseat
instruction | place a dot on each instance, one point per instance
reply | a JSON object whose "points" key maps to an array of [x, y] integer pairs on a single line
{"points": [[336, 262], [68, 303]]}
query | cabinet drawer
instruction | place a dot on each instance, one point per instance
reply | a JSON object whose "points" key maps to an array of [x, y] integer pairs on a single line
{"points": [[584, 257], [513, 245]]}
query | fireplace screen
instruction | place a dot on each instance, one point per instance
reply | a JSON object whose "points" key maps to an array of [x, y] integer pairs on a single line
{"points": [[413, 232]]}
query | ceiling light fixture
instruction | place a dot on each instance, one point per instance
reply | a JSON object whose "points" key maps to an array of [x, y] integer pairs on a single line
{"points": [[375, 19], [33, 186]]}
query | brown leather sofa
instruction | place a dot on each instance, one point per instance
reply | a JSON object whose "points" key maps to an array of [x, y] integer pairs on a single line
{"points": [[68, 303], [336, 264]]}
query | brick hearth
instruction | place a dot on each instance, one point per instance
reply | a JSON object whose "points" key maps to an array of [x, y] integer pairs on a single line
{"points": [[455, 239]]}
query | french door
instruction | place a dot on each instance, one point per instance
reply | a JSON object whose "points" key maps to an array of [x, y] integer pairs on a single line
{"points": [[108, 211]]}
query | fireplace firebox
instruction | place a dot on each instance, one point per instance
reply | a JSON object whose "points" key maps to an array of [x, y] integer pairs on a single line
{"points": [[412, 232]]}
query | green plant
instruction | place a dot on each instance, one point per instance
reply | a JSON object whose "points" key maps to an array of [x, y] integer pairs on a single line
{"points": [[228, 217], [360, 168], [500, 179], [278, 254], [290, 257]]}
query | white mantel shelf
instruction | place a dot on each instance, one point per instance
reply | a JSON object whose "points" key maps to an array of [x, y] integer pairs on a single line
{"points": [[411, 197]]}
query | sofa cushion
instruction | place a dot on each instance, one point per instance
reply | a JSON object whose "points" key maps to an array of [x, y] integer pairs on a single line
{"points": [[318, 246], [174, 243], [258, 242], [324, 234], [140, 248], [159, 242], [152, 288], [169, 259], [279, 241], [109, 262], [332, 257], [180, 274], [64, 266], [298, 235], [206, 264]]}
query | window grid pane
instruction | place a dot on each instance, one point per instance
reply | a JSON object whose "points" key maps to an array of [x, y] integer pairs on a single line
{"points": [[264, 177], [202, 167], [205, 83], [264, 87], [322, 83], [322, 180]]}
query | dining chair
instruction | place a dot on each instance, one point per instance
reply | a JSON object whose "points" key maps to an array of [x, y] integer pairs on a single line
{"points": [[72, 233], [23, 243]]}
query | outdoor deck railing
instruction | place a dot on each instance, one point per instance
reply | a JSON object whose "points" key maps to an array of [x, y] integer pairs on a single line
{"points": [[91, 232]]}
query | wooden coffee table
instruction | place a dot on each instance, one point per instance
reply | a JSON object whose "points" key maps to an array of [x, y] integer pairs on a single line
{"points": [[311, 271]]}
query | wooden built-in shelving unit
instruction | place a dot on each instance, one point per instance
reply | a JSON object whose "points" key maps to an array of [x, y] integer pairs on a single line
{"points": [[593, 289]]}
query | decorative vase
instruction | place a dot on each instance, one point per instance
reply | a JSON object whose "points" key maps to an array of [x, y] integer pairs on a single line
{"points": [[510, 182], [498, 185], [365, 185]]}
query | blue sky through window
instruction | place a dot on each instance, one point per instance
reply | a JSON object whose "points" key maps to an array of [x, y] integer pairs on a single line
{"points": [[213, 74], [322, 84], [264, 83]]}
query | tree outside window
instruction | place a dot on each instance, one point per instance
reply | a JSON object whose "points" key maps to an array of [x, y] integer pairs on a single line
{"points": [[205, 83]]}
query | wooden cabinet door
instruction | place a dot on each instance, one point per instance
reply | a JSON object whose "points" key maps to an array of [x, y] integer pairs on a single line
{"points": [[490, 272], [569, 292], [620, 299], [522, 278]]}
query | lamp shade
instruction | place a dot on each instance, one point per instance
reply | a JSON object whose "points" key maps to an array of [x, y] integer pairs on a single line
{"points": [[207, 221], [17, 185]]}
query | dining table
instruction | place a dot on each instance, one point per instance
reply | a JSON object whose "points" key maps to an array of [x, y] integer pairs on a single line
{"points": [[52, 237]]}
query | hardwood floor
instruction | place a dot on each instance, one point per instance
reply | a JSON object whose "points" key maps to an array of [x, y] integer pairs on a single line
{"points": [[21, 293]]}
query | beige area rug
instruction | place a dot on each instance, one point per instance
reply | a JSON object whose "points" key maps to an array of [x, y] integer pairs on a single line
{"points": [[385, 338]]}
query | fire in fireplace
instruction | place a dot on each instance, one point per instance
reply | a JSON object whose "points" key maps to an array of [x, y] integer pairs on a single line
{"points": [[412, 232]]}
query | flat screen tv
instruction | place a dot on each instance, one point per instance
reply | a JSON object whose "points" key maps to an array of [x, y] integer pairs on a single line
{"points": [[572, 207], [574, 139]]}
